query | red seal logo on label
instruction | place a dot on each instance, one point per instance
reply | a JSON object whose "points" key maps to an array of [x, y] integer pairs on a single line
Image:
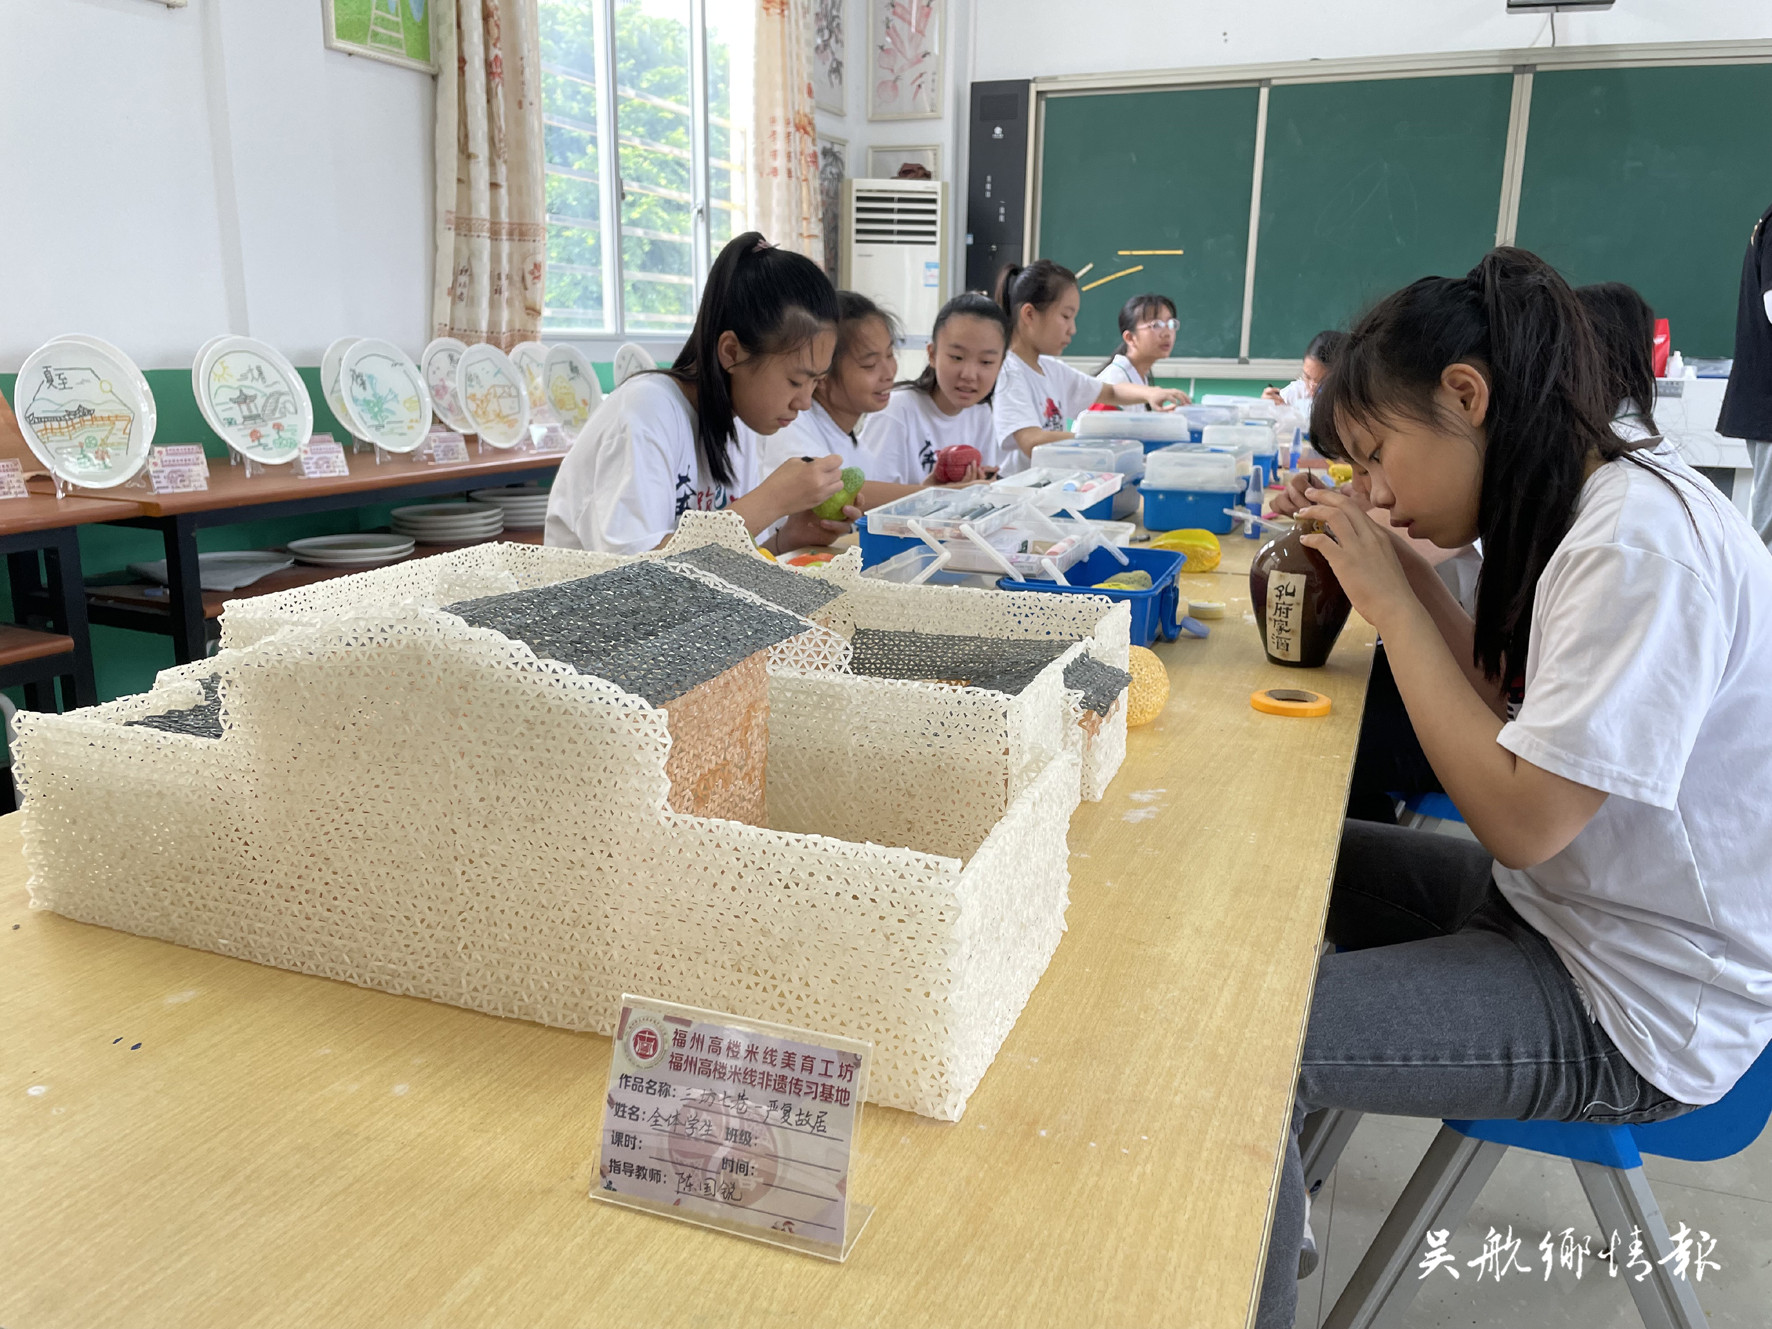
{"points": [[645, 1041], [644, 1044]]}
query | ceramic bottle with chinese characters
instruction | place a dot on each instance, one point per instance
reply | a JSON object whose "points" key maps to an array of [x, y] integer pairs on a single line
{"points": [[1300, 607]]}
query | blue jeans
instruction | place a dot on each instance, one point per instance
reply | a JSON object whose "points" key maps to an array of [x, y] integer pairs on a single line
{"points": [[1444, 1003]]}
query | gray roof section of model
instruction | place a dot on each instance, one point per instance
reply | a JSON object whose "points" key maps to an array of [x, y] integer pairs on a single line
{"points": [[651, 631], [792, 591]]}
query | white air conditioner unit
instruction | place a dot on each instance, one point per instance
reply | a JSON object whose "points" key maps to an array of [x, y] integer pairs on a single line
{"points": [[895, 247]]}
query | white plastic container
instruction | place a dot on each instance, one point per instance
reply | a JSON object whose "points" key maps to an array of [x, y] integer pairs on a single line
{"points": [[1125, 455], [1146, 426], [942, 512], [1050, 491], [1191, 468]]}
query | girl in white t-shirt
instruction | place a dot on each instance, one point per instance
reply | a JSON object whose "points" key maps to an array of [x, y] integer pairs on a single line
{"points": [[1147, 335], [847, 404], [1036, 391], [949, 403], [1604, 950], [1301, 391], [687, 437]]}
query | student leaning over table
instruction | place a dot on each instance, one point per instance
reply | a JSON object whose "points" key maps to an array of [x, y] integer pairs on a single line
{"points": [[1604, 952], [688, 437], [1036, 391]]}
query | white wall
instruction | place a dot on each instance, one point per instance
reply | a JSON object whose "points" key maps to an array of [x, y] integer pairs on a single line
{"points": [[1045, 38], [205, 170]]}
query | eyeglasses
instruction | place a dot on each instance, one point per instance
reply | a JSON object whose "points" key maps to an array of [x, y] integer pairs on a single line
{"points": [[1162, 324]]}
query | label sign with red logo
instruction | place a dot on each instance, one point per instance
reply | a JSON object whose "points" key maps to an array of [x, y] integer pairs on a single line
{"points": [[734, 1124]]}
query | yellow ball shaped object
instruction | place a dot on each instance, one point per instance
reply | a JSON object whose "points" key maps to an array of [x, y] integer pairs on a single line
{"points": [[1149, 692], [1340, 472], [1201, 547]]}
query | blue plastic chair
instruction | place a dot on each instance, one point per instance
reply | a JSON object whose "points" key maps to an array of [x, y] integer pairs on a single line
{"points": [[1608, 1161], [1426, 811]]}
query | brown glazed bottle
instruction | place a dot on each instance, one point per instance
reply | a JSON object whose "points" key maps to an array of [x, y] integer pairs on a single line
{"points": [[1299, 605]]}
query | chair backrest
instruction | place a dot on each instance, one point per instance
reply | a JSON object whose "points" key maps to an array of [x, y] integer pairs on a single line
{"points": [[1721, 1129]]}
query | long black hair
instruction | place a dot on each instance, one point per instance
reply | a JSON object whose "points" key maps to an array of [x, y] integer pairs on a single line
{"points": [[967, 304], [1039, 284], [1625, 326], [1515, 321], [774, 301], [1326, 347], [1134, 312]]}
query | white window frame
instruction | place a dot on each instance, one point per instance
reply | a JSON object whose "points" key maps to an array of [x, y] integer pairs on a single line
{"points": [[612, 186]]}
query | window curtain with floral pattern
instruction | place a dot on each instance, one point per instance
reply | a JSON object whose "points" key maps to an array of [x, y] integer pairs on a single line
{"points": [[491, 224], [788, 212]]}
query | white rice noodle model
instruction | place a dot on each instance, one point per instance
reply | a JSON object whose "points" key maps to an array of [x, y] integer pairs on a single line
{"points": [[371, 789]]}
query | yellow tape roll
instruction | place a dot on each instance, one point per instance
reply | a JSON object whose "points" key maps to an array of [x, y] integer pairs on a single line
{"points": [[1289, 701]]}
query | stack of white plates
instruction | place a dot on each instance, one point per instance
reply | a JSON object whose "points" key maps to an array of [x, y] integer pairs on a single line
{"points": [[352, 551], [525, 506], [449, 523]]}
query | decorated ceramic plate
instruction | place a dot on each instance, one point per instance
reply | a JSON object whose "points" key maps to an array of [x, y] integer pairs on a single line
{"points": [[86, 411], [532, 358], [572, 386], [491, 391], [385, 394], [630, 360], [197, 364], [439, 363], [252, 396], [329, 363]]}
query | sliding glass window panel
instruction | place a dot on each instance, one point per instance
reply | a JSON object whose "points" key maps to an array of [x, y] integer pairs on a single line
{"points": [[653, 112], [575, 180], [731, 65]]}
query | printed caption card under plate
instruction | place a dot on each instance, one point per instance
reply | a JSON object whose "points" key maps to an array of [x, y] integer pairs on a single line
{"points": [[734, 1124], [320, 456], [180, 468], [12, 479]]}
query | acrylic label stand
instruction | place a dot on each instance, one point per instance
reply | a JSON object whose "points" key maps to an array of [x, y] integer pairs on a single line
{"points": [[734, 1124]]}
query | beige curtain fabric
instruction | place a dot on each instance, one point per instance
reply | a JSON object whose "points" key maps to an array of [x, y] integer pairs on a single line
{"points": [[786, 136], [491, 228]]}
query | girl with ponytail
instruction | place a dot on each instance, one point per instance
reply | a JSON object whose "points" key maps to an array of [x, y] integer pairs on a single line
{"points": [[949, 403], [689, 436], [1036, 391], [1603, 950], [1147, 335]]}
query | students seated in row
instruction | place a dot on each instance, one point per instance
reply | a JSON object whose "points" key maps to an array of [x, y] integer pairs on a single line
{"points": [[1037, 392], [1147, 335], [689, 436], [1603, 951], [949, 403], [842, 419], [1318, 357]]}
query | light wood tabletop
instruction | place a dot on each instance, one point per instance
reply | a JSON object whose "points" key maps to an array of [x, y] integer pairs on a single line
{"points": [[190, 1141], [45, 512]]}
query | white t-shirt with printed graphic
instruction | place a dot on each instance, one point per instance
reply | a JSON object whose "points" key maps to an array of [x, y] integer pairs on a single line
{"points": [[1647, 679], [913, 429], [815, 434], [1029, 398], [635, 469]]}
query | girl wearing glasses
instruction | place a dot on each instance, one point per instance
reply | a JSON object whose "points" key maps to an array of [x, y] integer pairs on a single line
{"points": [[1147, 335]]}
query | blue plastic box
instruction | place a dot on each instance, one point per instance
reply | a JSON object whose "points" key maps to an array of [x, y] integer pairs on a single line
{"points": [[1190, 509], [1155, 612]]}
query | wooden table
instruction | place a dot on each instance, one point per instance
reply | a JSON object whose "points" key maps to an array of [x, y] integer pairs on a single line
{"points": [[279, 492], [195, 1141], [42, 524]]}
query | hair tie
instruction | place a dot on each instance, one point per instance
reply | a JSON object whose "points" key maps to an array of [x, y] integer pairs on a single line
{"points": [[760, 246]]}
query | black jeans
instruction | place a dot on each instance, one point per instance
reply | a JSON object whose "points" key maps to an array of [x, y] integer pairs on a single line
{"points": [[1388, 759], [1444, 1003]]}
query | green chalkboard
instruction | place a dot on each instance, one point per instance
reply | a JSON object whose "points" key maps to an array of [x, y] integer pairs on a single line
{"points": [[1152, 170], [1365, 187], [1652, 177]]}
